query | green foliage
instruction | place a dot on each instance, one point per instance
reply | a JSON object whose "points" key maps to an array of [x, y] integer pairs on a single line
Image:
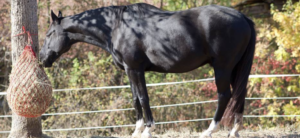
{"points": [[277, 52], [94, 69], [287, 33]]}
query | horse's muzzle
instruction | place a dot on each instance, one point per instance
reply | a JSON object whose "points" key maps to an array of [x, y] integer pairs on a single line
{"points": [[45, 60], [47, 64]]}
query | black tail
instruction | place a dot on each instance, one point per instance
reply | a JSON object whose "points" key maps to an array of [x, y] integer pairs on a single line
{"points": [[240, 76]]}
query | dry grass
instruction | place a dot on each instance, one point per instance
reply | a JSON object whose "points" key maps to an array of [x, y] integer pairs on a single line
{"points": [[278, 132]]}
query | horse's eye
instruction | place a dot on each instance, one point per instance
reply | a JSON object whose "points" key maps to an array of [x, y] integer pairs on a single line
{"points": [[49, 34]]}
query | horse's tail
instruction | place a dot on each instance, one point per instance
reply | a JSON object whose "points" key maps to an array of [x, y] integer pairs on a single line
{"points": [[239, 80]]}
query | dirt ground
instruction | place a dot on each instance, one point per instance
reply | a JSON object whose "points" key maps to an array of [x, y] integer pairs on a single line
{"points": [[287, 132]]}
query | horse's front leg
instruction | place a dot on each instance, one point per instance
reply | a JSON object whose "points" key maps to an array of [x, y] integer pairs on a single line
{"points": [[139, 127], [138, 85]]}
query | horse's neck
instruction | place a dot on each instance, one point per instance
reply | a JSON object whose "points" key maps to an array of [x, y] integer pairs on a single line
{"points": [[95, 30], [77, 37]]}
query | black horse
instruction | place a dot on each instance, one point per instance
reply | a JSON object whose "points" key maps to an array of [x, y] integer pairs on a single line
{"points": [[141, 37]]}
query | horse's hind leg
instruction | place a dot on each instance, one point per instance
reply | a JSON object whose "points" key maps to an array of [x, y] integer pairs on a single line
{"points": [[222, 77], [238, 119], [238, 124]]}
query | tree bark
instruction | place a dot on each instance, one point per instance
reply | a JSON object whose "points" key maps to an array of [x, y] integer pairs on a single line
{"points": [[161, 4], [24, 13]]}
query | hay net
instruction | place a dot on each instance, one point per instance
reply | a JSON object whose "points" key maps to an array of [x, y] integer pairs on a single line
{"points": [[30, 92]]}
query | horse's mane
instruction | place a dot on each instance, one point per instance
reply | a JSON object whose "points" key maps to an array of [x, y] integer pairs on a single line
{"points": [[141, 9], [136, 10]]}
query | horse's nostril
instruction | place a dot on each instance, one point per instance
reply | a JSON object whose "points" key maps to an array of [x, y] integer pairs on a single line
{"points": [[42, 57]]}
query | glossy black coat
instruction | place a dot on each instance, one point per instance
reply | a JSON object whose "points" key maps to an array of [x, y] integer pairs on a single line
{"points": [[141, 37]]}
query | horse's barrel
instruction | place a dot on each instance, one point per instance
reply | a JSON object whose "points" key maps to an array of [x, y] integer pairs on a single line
{"points": [[30, 92]]}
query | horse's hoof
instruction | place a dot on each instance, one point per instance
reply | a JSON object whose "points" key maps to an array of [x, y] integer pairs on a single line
{"points": [[233, 135], [146, 135], [136, 134], [206, 134]]}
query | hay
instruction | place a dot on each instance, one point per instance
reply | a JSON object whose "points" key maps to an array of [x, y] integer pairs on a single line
{"points": [[30, 92]]}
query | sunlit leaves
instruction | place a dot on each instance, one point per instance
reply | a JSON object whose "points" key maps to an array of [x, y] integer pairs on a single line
{"points": [[287, 33], [277, 52]]}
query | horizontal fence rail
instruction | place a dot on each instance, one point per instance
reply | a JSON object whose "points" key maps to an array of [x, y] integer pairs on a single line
{"points": [[158, 123], [159, 106], [167, 83]]}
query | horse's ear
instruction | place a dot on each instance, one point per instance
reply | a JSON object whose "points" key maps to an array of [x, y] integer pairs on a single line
{"points": [[59, 14], [54, 17]]}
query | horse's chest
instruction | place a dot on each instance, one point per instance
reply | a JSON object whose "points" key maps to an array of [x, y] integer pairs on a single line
{"points": [[117, 58], [128, 50]]}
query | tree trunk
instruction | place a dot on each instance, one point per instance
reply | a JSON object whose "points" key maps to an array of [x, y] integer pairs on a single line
{"points": [[161, 4], [24, 13]]}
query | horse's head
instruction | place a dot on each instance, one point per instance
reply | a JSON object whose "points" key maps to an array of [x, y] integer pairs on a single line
{"points": [[56, 42]]}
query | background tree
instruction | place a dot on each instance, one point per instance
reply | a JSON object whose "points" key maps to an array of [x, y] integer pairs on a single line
{"points": [[24, 13]]}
